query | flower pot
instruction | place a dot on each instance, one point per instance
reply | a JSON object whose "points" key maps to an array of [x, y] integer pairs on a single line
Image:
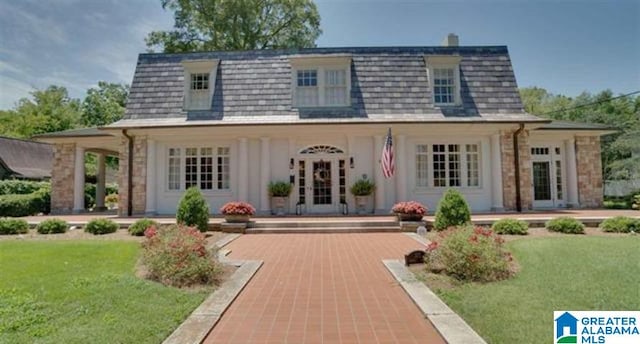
{"points": [[361, 204], [409, 217], [278, 204], [237, 218]]}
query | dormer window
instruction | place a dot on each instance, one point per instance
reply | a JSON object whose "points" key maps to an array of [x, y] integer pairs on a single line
{"points": [[199, 81], [321, 81], [444, 76]]}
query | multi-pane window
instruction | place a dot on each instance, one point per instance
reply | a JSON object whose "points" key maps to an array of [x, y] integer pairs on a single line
{"points": [[473, 165], [223, 168], [322, 87], [199, 91], [422, 177], [559, 179], [444, 85], [174, 169], [335, 90], [195, 167], [452, 165], [307, 90], [200, 81]]}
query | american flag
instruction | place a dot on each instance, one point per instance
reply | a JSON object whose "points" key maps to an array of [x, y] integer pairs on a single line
{"points": [[388, 161]]}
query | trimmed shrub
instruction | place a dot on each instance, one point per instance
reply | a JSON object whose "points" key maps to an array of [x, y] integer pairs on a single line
{"points": [[176, 255], [636, 202], [280, 189], [453, 210], [20, 187], [362, 187], [52, 226], [13, 226], [137, 228], [193, 210], [101, 226], [510, 226], [621, 224], [565, 224], [16, 205], [469, 253]]}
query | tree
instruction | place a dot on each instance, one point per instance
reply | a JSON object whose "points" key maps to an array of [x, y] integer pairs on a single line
{"points": [[50, 110], [206, 25], [104, 104], [620, 151]]}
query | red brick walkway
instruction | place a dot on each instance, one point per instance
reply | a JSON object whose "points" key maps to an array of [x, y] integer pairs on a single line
{"points": [[323, 288]]}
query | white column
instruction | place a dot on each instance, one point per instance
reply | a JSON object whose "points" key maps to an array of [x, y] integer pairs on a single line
{"points": [[78, 181], [100, 182], [243, 169], [265, 173], [496, 174], [572, 173], [151, 177], [377, 172], [401, 168]]}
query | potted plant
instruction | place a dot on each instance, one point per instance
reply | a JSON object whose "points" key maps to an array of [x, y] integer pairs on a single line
{"points": [[279, 191], [237, 212], [409, 211], [362, 189]]}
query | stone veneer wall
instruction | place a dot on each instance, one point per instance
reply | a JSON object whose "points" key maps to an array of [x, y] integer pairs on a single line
{"points": [[62, 178], [139, 175], [508, 171], [589, 166]]}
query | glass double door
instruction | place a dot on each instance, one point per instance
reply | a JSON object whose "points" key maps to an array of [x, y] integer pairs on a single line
{"points": [[319, 184], [546, 169]]}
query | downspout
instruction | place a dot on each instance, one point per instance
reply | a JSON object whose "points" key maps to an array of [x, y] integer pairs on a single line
{"points": [[129, 173], [516, 159]]}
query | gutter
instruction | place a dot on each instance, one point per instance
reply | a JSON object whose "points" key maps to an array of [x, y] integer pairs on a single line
{"points": [[516, 159], [129, 173]]}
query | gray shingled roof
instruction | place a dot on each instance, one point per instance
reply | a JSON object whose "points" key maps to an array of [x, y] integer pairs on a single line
{"points": [[82, 132], [388, 84], [26, 159], [566, 125]]}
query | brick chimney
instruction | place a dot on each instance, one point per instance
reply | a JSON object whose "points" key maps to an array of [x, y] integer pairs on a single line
{"points": [[451, 40]]}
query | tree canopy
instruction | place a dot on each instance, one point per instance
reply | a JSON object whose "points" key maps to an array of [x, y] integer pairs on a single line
{"points": [[620, 151], [104, 104], [206, 25]]}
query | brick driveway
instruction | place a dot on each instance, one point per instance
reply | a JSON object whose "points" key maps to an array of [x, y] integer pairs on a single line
{"points": [[323, 288]]}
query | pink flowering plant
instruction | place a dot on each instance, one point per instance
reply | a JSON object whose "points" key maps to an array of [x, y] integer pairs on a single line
{"points": [[237, 208], [470, 253], [411, 207], [177, 256]]}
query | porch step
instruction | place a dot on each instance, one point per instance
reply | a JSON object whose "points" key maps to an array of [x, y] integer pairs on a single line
{"points": [[323, 224], [323, 229]]}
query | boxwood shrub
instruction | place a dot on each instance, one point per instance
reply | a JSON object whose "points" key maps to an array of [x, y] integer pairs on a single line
{"points": [[101, 226], [510, 226], [565, 224], [52, 226], [453, 210], [621, 224], [137, 228], [20, 187], [13, 226], [193, 210]]}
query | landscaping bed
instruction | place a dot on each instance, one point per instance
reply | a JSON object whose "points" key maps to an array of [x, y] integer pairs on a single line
{"points": [[596, 271], [71, 291]]}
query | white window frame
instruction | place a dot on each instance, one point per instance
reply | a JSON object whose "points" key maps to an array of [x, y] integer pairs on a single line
{"points": [[434, 62], [191, 67], [215, 149], [463, 164], [321, 64]]}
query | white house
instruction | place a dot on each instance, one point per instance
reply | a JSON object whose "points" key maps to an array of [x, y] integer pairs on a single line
{"points": [[232, 122]]}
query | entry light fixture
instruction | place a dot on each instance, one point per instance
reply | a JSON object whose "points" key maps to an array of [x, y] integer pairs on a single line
{"points": [[291, 164], [352, 164]]}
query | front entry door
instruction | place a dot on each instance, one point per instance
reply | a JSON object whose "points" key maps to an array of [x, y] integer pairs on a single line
{"points": [[542, 184], [318, 185], [546, 169]]}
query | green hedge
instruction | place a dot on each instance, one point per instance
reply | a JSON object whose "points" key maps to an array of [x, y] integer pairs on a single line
{"points": [[510, 226], [90, 193], [52, 226], [621, 224], [26, 204], [101, 226], [565, 224], [20, 187], [13, 226]]}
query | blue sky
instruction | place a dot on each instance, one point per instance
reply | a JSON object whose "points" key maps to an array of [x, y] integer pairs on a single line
{"points": [[564, 46]]}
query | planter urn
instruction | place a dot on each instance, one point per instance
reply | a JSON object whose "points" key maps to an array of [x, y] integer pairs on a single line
{"points": [[236, 218], [279, 204], [361, 204]]}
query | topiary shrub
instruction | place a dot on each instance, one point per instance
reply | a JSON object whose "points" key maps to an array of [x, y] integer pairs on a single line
{"points": [[565, 224], [193, 210], [13, 226], [52, 226], [510, 226], [621, 224], [101, 226], [469, 253], [137, 228], [453, 210], [176, 255]]}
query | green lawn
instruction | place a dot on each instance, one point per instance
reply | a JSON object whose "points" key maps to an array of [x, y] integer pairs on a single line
{"points": [[560, 273], [84, 292]]}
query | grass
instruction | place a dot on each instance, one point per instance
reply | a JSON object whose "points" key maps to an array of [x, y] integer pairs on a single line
{"points": [[566, 273], [84, 292]]}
